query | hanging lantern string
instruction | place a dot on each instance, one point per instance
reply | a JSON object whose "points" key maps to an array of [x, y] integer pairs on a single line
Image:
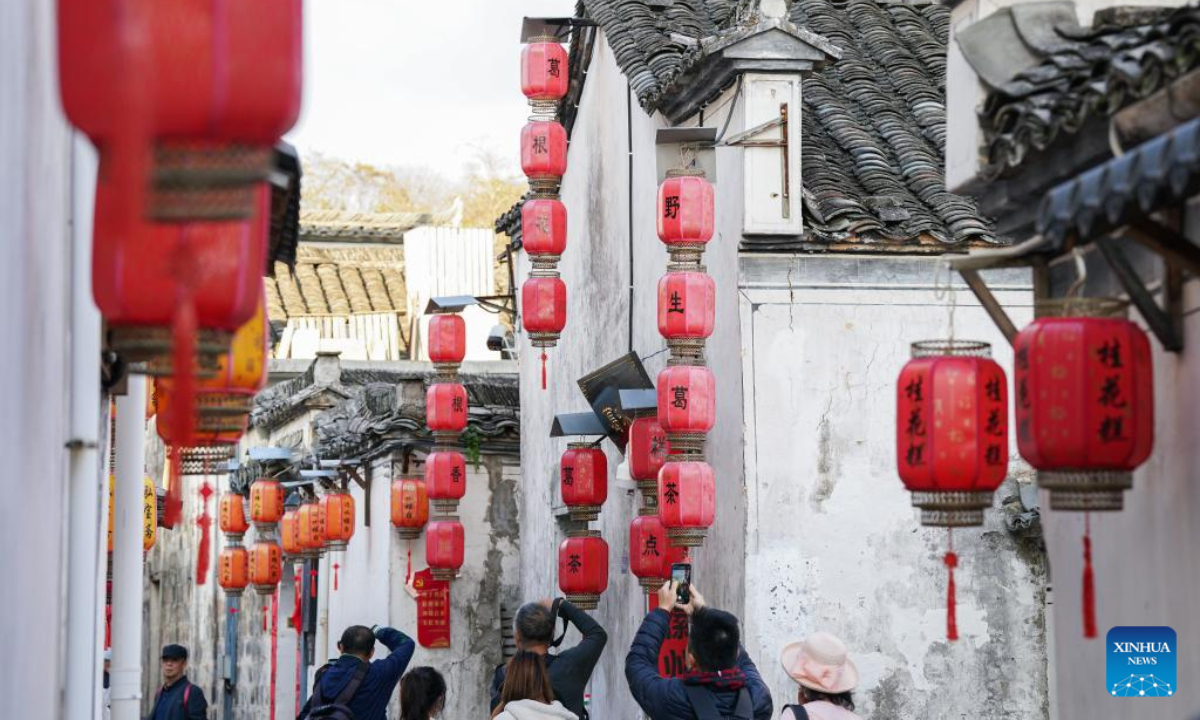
{"points": [[408, 567], [205, 524], [1080, 279], [951, 560], [1089, 586], [544, 358], [944, 291], [336, 566]]}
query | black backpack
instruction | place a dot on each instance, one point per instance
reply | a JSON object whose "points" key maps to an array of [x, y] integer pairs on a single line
{"points": [[798, 711], [705, 705], [339, 709]]}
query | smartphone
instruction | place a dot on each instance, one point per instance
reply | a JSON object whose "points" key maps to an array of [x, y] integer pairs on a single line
{"points": [[682, 574]]}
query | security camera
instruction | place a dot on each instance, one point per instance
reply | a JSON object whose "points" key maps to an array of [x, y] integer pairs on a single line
{"points": [[501, 340]]}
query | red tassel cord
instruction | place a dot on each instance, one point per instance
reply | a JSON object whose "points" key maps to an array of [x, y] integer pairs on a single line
{"points": [[408, 568], [183, 341], [1089, 583], [312, 583], [335, 576], [295, 621], [544, 369], [951, 560], [266, 611], [173, 501], [205, 523]]}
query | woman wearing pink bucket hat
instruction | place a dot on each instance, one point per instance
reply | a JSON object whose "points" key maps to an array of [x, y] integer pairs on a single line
{"points": [[826, 675]]}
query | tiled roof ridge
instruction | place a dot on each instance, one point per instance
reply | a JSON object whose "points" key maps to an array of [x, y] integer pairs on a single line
{"points": [[1102, 71]]}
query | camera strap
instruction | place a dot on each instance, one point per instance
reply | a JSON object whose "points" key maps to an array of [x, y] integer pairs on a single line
{"points": [[554, 610]]}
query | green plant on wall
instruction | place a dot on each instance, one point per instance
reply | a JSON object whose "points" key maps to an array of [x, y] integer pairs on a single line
{"points": [[471, 442]]}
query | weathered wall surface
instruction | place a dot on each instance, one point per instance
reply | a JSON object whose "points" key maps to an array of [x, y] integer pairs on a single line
{"points": [[832, 540]]}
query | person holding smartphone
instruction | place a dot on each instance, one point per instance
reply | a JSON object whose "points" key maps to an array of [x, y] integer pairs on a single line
{"points": [[723, 682]]}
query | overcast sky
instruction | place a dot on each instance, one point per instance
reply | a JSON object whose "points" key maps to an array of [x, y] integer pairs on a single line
{"points": [[412, 82]]}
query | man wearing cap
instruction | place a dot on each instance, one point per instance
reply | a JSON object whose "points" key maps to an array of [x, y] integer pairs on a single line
{"points": [[177, 699], [822, 668], [723, 682], [354, 683]]}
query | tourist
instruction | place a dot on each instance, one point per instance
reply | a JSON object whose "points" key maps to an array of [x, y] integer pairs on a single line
{"points": [[422, 694], [570, 670], [178, 698], [722, 682], [354, 687], [820, 666], [527, 694]]}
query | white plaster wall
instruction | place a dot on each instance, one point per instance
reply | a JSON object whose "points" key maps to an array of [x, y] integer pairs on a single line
{"points": [[832, 540], [34, 309], [1143, 556]]}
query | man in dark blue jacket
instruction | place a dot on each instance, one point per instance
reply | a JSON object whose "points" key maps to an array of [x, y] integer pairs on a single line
{"points": [[178, 698], [721, 673], [358, 646]]}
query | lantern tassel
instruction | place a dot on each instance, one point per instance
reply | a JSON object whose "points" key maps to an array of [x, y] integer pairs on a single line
{"points": [[335, 576], [202, 548], [951, 560], [408, 568], [296, 607], [312, 583], [1089, 586], [183, 371], [173, 502], [266, 611], [544, 369]]}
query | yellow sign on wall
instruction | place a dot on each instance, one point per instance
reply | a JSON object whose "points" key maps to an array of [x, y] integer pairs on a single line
{"points": [[149, 513]]}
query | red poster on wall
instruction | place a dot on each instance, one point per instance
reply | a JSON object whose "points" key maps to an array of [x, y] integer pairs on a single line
{"points": [[433, 610], [672, 655]]}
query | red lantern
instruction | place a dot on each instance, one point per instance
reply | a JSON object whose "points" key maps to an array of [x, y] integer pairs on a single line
{"points": [[312, 529], [289, 535], [444, 548], [232, 520], [1085, 407], [686, 500], [687, 401], [544, 153], [583, 472], [215, 85], [650, 553], [337, 512], [952, 438], [266, 566], [446, 407], [952, 430], [583, 569], [687, 305], [544, 73], [445, 479], [233, 573], [647, 449], [266, 502], [544, 313], [447, 339], [410, 507], [685, 208], [544, 226]]}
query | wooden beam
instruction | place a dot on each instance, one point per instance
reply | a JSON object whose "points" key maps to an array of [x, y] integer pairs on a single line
{"points": [[1167, 243], [990, 304], [1141, 298]]}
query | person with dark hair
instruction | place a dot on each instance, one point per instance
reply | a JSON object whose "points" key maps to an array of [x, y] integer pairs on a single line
{"points": [[526, 693], [354, 688], [178, 698], [570, 670], [422, 694], [722, 683], [822, 668]]}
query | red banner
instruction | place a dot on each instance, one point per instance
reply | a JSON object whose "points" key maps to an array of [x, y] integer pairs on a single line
{"points": [[672, 655], [433, 610]]}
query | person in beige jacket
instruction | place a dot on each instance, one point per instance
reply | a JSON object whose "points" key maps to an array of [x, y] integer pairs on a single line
{"points": [[526, 693], [822, 668]]}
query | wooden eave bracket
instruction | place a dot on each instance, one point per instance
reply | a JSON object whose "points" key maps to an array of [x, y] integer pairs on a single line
{"points": [[1177, 252]]}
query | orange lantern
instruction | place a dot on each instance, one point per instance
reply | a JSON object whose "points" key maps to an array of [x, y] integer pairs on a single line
{"points": [[312, 529], [233, 573], [289, 534], [232, 510], [266, 566], [337, 514], [410, 506], [266, 503]]}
